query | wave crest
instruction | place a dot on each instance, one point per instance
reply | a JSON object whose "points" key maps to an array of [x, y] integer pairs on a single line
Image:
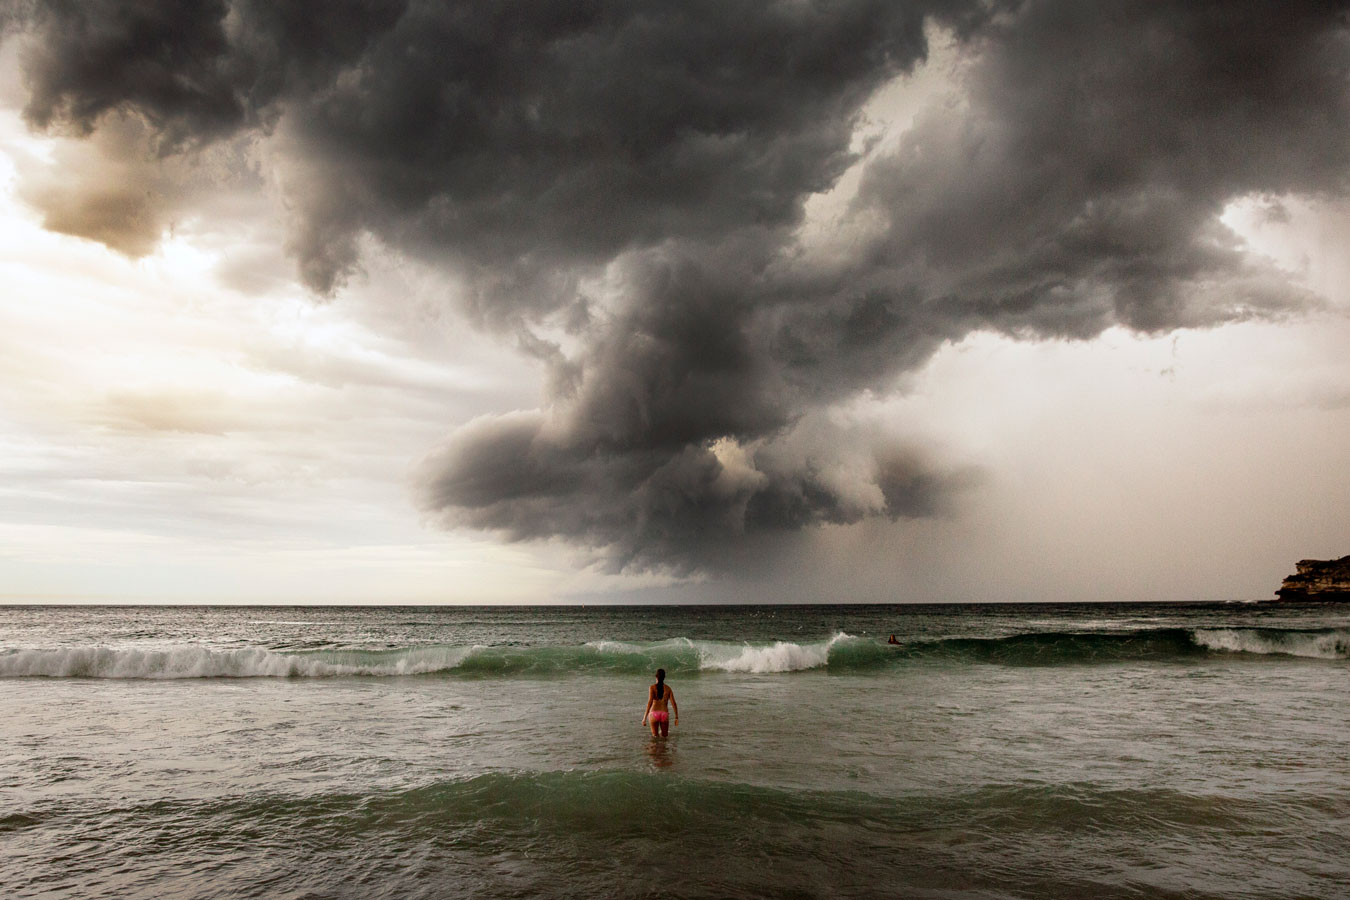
{"points": [[678, 656], [782, 656], [201, 662], [1322, 644]]}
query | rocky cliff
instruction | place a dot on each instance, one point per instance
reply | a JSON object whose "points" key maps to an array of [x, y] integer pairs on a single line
{"points": [[1318, 579]]}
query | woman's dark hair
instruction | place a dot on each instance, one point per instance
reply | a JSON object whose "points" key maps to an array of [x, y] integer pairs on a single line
{"points": [[660, 683]]}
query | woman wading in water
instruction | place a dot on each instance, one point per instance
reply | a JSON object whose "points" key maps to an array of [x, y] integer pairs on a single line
{"points": [[658, 695]]}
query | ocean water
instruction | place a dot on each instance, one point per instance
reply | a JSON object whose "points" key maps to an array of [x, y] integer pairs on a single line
{"points": [[1177, 751]]}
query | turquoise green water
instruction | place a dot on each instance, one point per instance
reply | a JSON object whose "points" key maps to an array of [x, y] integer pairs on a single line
{"points": [[1048, 751]]}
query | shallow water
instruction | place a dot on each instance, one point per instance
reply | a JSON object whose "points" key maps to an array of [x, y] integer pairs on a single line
{"points": [[1047, 751]]}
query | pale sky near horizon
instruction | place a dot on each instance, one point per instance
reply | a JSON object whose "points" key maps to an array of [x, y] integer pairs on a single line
{"points": [[244, 359]]}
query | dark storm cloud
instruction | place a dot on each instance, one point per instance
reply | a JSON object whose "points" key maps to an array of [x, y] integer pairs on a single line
{"points": [[196, 69], [532, 136], [680, 508], [1101, 143], [501, 133], [635, 174]]}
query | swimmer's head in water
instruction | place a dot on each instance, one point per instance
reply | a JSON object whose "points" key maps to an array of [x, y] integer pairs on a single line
{"points": [[660, 682]]}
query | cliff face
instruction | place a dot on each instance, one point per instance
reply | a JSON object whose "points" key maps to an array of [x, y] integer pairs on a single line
{"points": [[1318, 579]]}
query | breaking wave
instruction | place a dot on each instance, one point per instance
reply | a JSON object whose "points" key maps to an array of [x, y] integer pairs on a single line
{"points": [[840, 653], [202, 662], [1318, 644], [680, 655]]}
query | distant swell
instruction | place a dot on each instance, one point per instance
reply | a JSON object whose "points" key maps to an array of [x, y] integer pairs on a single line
{"points": [[1083, 648], [1061, 648], [839, 653]]}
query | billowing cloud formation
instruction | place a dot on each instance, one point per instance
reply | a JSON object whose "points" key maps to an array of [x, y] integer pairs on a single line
{"points": [[633, 176], [498, 133]]}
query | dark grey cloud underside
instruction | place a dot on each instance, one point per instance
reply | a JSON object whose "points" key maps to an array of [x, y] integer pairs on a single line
{"points": [[526, 146]]}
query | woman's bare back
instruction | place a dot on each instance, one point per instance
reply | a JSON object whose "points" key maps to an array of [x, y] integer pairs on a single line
{"points": [[659, 696], [659, 703]]}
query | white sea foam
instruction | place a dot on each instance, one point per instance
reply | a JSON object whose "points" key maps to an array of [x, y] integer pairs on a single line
{"points": [[201, 662], [628, 647], [782, 656], [722, 656], [1312, 644]]}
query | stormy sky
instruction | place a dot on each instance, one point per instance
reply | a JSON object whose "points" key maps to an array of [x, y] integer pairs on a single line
{"points": [[420, 301]]}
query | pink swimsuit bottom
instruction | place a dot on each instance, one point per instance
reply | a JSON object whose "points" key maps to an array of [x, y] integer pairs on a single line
{"points": [[660, 715]]}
